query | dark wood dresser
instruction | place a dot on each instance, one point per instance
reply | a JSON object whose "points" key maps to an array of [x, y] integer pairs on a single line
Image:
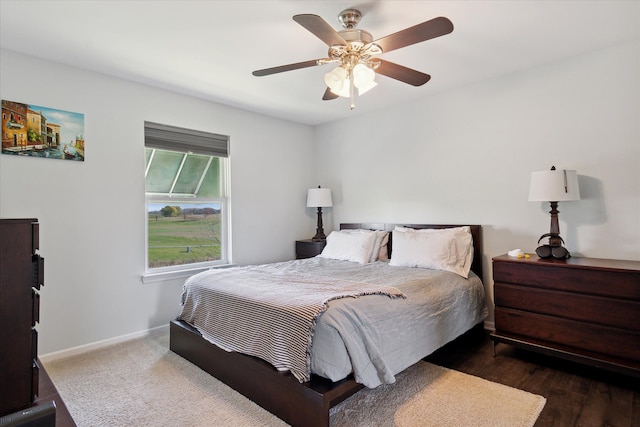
{"points": [[21, 275], [585, 310]]}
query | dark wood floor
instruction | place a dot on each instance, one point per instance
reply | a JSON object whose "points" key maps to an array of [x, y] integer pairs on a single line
{"points": [[47, 393], [576, 395]]}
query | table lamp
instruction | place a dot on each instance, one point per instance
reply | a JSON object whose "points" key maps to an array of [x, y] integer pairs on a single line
{"points": [[554, 186], [319, 198]]}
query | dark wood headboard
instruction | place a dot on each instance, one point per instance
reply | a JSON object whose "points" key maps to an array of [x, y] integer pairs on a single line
{"points": [[476, 234]]}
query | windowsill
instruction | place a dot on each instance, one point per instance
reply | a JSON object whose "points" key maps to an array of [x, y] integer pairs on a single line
{"points": [[179, 274]]}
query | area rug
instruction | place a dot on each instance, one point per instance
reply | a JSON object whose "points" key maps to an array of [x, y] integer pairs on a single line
{"points": [[142, 383]]}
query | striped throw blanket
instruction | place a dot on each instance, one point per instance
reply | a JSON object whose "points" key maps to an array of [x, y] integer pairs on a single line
{"points": [[265, 312]]}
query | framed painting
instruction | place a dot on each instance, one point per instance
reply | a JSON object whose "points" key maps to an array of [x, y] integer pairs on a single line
{"points": [[35, 131]]}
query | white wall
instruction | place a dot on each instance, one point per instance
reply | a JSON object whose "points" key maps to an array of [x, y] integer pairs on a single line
{"points": [[461, 156], [465, 156], [92, 213]]}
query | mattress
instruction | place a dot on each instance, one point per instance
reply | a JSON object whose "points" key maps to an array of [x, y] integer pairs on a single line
{"points": [[372, 337]]}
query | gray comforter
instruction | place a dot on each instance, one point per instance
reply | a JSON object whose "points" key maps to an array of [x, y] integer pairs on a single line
{"points": [[373, 337]]}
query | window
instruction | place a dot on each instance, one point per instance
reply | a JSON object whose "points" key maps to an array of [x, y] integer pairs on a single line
{"points": [[186, 198]]}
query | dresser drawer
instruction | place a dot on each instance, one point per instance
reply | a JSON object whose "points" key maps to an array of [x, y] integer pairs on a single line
{"points": [[586, 308], [605, 340], [562, 277]]}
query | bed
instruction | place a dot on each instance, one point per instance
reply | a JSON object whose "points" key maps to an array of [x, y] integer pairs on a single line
{"points": [[337, 370]]}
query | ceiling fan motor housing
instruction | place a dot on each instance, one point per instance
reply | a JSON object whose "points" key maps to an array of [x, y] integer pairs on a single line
{"points": [[358, 36], [359, 47], [349, 18]]}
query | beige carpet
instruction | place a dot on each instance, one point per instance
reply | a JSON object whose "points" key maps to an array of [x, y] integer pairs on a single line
{"points": [[142, 383]]}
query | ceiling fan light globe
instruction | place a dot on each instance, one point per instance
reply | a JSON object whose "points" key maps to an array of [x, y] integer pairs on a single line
{"points": [[332, 82], [365, 87], [362, 74], [335, 79], [363, 78], [342, 91]]}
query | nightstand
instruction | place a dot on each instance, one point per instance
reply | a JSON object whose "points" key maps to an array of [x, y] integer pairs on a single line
{"points": [[309, 248], [585, 310]]}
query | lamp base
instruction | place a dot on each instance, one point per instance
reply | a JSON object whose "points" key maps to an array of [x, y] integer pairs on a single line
{"points": [[552, 249], [554, 231], [555, 247], [319, 230]]}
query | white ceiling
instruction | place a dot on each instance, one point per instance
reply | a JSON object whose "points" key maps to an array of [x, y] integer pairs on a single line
{"points": [[209, 48]]}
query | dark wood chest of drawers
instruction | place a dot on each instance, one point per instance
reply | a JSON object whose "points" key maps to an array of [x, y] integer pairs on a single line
{"points": [[582, 309], [21, 275]]}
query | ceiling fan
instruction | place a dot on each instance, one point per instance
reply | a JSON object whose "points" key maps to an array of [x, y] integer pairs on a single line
{"points": [[356, 53]]}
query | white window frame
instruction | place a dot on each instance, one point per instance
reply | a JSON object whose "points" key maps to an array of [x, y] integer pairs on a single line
{"points": [[185, 270]]}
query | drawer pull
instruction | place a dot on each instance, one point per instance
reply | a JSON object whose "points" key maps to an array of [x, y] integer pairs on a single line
{"points": [[35, 317], [38, 271]]}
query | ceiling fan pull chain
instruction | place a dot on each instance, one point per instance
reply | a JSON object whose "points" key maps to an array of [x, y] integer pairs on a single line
{"points": [[352, 90]]}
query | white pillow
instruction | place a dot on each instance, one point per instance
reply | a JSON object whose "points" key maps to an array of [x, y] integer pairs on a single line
{"points": [[448, 249], [379, 250], [382, 254], [349, 245]]}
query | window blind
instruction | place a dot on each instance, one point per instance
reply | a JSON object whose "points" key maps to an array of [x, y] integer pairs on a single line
{"points": [[174, 138]]}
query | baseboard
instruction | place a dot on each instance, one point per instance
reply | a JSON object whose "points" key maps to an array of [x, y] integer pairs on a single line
{"points": [[49, 357]]}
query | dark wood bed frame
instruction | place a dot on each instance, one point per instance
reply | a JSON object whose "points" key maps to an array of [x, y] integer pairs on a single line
{"points": [[298, 404]]}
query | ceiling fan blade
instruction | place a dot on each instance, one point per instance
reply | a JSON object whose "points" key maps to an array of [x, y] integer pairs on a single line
{"points": [[288, 67], [328, 95], [418, 33], [403, 74], [320, 28]]}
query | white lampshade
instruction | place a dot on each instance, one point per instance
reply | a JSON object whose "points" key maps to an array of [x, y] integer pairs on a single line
{"points": [[554, 186], [337, 79], [344, 91], [365, 86], [319, 198], [362, 73], [363, 78]]}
